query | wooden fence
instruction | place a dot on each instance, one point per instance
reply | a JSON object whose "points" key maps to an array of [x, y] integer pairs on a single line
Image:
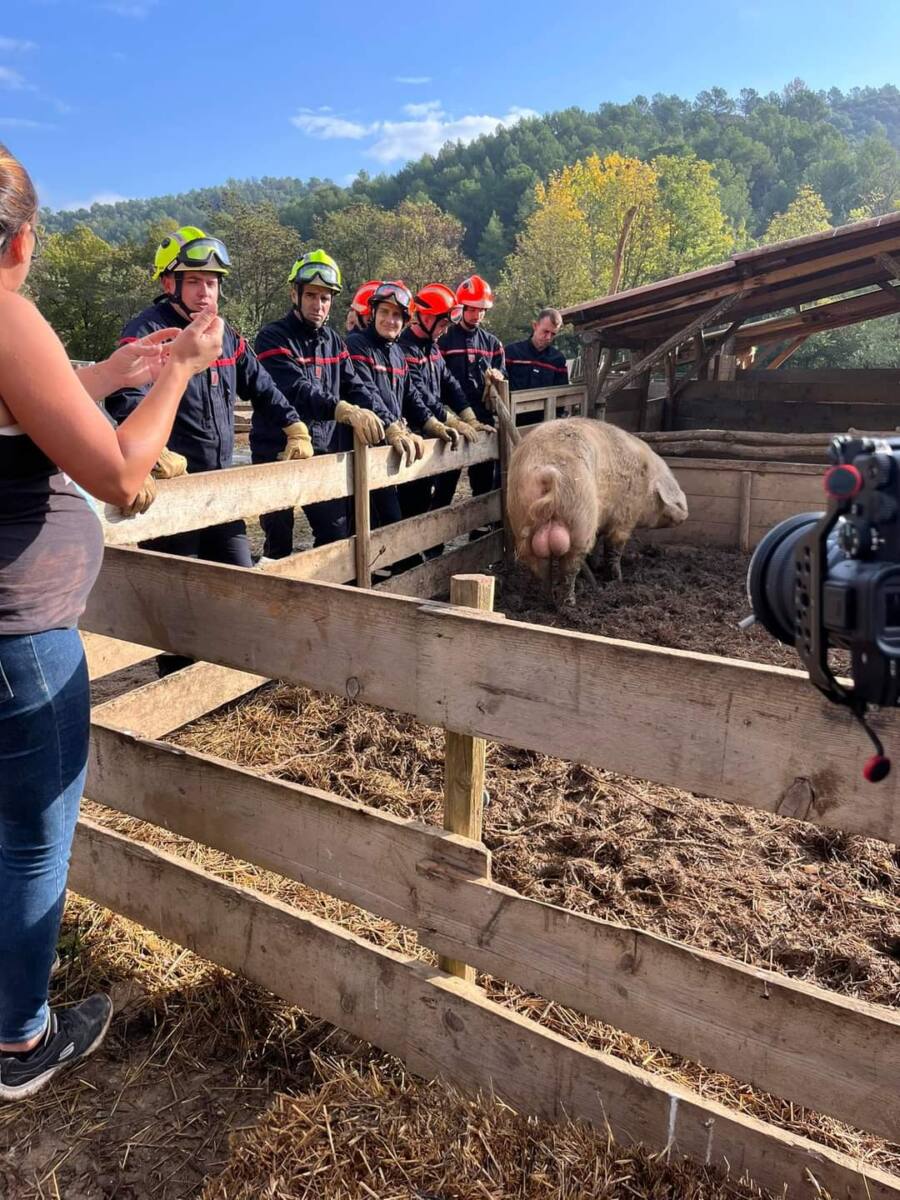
{"points": [[747, 733]]}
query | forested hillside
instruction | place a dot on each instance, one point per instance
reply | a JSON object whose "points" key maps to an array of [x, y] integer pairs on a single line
{"points": [[535, 207]]}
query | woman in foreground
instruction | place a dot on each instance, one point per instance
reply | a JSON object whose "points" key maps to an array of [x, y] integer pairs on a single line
{"points": [[53, 436]]}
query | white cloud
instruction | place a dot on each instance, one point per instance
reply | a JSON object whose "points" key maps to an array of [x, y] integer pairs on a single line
{"points": [[10, 45], [422, 110], [97, 198], [412, 79], [403, 140], [23, 123], [427, 130], [326, 127], [11, 79]]}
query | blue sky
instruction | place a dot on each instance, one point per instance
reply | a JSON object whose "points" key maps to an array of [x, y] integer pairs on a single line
{"points": [[119, 98]]}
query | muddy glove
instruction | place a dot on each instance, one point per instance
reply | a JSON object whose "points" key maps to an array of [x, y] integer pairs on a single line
{"points": [[468, 415], [168, 466], [466, 431], [299, 444], [362, 420], [408, 445], [145, 496], [445, 431]]}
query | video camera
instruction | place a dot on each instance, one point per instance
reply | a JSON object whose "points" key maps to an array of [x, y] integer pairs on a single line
{"points": [[831, 581]]}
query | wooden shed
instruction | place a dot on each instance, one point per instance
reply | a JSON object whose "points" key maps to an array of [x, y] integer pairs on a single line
{"points": [[711, 321]]}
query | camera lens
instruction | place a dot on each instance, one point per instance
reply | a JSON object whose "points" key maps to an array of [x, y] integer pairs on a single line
{"points": [[772, 574]]}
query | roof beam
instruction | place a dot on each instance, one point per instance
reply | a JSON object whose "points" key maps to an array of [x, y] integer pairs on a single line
{"points": [[648, 361]]}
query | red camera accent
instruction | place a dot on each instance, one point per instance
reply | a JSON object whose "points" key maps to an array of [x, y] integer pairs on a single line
{"points": [[843, 481]]}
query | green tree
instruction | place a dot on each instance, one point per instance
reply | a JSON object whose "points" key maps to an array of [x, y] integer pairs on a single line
{"points": [[417, 242], [805, 214], [262, 251], [87, 290], [493, 247], [698, 232]]}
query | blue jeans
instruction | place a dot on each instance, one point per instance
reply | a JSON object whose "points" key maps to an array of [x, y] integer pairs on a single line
{"points": [[44, 728]]}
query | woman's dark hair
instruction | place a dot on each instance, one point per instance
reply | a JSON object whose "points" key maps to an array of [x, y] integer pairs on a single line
{"points": [[18, 199]]}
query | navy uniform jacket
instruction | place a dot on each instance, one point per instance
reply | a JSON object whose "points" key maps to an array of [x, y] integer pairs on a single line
{"points": [[437, 386], [383, 364], [468, 354], [312, 367], [204, 424], [527, 367]]}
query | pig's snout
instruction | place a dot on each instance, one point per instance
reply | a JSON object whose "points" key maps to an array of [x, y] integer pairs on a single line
{"points": [[552, 540]]}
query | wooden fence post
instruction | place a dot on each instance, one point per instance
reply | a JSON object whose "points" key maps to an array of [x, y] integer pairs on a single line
{"points": [[744, 510], [464, 755], [361, 511], [508, 436]]}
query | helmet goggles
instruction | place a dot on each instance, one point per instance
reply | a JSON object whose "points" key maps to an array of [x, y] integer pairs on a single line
{"points": [[198, 254], [398, 292], [318, 272]]}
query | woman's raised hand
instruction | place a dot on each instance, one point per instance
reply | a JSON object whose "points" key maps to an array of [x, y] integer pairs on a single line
{"points": [[200, 344]]}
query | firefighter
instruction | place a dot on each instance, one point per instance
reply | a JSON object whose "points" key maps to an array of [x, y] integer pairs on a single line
{"points": [[310, 363]]}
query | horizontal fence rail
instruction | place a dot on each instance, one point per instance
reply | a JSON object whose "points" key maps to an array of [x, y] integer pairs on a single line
{"points": [[210, 498], [750, 1023], [744, 732], [442, 1026]]}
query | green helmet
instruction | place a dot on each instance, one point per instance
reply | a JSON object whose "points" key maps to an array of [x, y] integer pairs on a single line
{"points": [[317, 267], [190, 249]]}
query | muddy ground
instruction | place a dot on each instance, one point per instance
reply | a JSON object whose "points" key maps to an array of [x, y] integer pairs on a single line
{"points": [[208, 1087]]}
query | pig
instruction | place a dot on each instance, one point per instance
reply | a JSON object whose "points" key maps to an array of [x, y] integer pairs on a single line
{"points": [[577, 489]]}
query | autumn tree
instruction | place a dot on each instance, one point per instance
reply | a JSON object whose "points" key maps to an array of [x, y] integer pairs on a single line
{"points": [[805, 214], [609, 224]]}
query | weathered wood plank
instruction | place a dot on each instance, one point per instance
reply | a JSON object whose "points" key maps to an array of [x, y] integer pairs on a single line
{"points": [[433, 578], [740, 731], [166, 704], [196, 501], [420, 1015], [331, 844], [361, 513], [464, 756], [750, 1023], [107, 655]]}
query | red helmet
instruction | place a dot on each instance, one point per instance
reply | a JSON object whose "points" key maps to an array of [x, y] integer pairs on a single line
{"points": [[432, 303], [475, 292], [394, 290], [360, 301]]}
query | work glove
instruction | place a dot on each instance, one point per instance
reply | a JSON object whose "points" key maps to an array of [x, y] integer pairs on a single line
{"points": [[299, 443], [495, 374], [466, 431], [168, 466], [408, 445], [145, 496], [468, 415], [443, 430], [362, 420]]}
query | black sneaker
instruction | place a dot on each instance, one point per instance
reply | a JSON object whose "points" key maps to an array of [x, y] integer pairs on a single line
{"points": [[72, 1034]]}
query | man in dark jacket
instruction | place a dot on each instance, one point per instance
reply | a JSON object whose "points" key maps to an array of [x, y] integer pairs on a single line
{"points": [[190, 266], [310, 363], [379, 359], [472, 354], [431, 311], [535, 362]]}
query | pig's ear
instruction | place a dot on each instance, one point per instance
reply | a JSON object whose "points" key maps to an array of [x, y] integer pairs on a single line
{"points": [[669, 491]]}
